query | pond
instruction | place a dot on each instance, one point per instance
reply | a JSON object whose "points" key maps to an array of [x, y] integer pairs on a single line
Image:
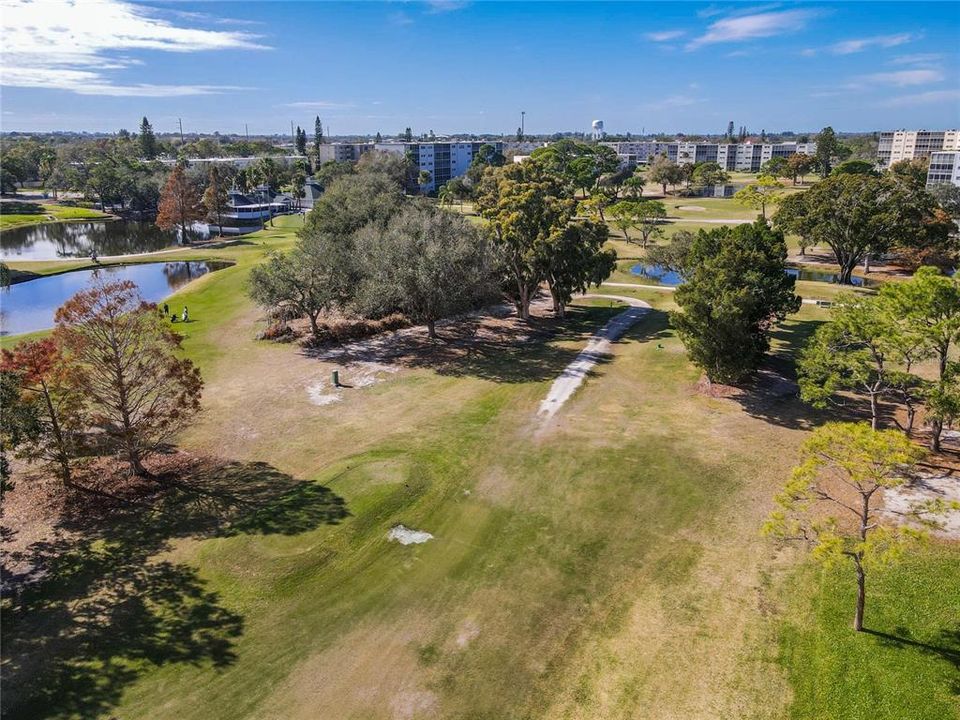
{"points": [[829, 277], [29, 306], [657, 273], [663, 276], [50, 241]]}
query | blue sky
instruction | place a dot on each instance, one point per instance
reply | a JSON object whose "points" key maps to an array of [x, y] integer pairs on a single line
{"points": [[455, 66]]}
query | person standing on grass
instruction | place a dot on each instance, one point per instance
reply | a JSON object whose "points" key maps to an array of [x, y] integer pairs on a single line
{"points": [[166, 309], [185, 314]]}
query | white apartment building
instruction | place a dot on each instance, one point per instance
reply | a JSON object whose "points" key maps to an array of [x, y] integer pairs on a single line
{"points": [[443, 160], [944, 168], [910, 144], [743, 157]]}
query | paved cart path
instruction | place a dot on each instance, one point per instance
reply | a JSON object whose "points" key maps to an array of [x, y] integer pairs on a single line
{"points": [[600, 344]]}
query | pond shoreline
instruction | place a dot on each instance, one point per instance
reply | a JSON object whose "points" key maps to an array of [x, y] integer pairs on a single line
{"points": [[30, 306]]}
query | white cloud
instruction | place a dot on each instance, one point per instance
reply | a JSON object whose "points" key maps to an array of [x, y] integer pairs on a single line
{"points": [[665, 35], [922, 59], [442, 6], [847, 47], [400, 18], [673, 101], [925, 98], [905, 78], [321, 105], [748, 27], [72, 45]]}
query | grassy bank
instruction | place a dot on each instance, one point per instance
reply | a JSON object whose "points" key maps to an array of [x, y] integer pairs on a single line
{"points": [[17, 214]]}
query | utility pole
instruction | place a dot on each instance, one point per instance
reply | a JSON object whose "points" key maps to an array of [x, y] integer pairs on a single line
{"points": [[523, 129], [246, 130], [180, 122], [293, 137]]}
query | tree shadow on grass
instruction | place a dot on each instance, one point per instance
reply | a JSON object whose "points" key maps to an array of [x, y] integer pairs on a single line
{"points": [[97, 609], [503, 349], [772, 393], [946, 646]]}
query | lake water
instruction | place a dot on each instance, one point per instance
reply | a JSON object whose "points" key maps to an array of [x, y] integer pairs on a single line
{"points": [[50, 241], [657, 274], [29, 306], [663, 276]]}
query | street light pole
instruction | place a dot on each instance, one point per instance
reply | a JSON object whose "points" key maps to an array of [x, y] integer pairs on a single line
{"points": [[523, 129]]}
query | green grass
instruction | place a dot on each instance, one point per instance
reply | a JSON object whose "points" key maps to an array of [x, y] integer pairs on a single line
{"points": [[15, 214], [907, 664], [608, 566]]}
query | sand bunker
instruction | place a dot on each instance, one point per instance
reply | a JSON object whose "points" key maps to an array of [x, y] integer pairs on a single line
{"points": [[691, 207], [408, 536]]}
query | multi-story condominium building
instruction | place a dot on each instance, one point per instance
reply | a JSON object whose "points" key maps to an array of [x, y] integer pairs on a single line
{"points": [[443, 160], [944, 168], [910, 144], [343, 152], [744, 157]]}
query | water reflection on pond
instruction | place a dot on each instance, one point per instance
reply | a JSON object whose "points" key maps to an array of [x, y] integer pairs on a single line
{"points": [[664, 276], [49, 241], [31, 305]]}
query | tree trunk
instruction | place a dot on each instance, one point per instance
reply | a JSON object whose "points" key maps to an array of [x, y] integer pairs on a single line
{"points": [[911, 416], [861, 596], [136, 463], [866, 263], [936, 428], [523, 301], [63, 458], [314, 328], [846, 272], [873, 411], [432, 329]]}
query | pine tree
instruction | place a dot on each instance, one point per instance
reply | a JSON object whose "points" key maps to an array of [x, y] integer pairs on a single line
{"points": [[317, 139], [379, 138], [301, 141], [148, 141]]}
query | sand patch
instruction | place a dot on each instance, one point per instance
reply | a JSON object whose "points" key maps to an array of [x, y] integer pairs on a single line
{"points": [[695, 208], [467, 632], [410, 703], [899, 501], [353, 376], [408, 536]]}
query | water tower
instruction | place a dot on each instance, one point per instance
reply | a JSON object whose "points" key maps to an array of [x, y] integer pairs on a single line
{"points": [[597, 126]]}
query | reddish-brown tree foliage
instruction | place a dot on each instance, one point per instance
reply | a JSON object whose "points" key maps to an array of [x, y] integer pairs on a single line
{"points": [[180, 202], [138, 390], [49, 384]]}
